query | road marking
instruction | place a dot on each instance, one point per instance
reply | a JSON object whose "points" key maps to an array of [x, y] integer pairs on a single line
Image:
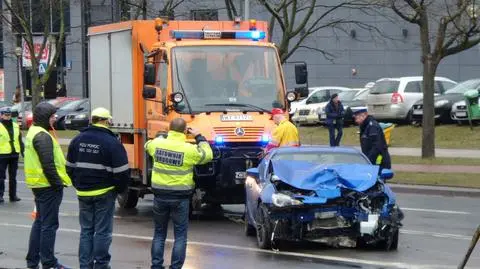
{"points": [[441, 235], [435, 211], [251, 249], [60, 214], [63, 201]]}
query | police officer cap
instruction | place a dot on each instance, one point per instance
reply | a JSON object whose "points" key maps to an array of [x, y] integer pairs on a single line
{"points": [[5, 110], [360, 110]]}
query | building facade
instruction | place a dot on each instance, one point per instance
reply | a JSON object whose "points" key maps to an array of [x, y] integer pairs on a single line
{"points": [[356, 55]]}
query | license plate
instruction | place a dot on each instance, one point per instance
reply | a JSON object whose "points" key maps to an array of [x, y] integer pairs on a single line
{"points": [[240, 175], [68, 121], [323, 116], [418, 112], [461, 114], [301, 118], [325, 215]]}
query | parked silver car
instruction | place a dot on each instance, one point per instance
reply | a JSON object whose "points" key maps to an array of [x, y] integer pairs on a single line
{"points": [[459, 112], [393, 98]]}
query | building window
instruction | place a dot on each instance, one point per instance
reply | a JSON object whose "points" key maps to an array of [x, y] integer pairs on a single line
{"points": [[204, 15], [36, 18]]}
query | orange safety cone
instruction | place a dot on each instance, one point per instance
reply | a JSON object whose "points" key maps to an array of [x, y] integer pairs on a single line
{"points": [[34, 213]]}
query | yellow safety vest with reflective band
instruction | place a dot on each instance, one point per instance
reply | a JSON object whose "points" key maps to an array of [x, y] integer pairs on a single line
{"points": [[174, 160], [5, 139], [34, 176]]}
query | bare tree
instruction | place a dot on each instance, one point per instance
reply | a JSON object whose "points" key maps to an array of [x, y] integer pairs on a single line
{"points": [[300, 19], [17, 15], [446, 28]]}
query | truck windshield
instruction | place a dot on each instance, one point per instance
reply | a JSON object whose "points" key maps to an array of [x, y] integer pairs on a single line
{"points": [[225, 78]]}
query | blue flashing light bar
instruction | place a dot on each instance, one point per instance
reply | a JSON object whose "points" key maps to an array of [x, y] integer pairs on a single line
{"points": [[265, 138], [219, 140], [209, 34]]}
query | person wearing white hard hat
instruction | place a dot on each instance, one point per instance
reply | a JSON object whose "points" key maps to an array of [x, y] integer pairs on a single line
{"points": [[98, 165]]}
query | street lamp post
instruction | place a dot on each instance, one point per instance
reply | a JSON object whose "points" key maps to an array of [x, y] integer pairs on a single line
{"points": [[18, 53]]}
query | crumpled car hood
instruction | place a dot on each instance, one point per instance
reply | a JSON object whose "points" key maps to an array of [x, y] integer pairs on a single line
{"points": [[325, 180]]}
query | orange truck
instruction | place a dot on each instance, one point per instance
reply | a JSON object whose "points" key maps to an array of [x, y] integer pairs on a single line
{"points": [[222, 77]]}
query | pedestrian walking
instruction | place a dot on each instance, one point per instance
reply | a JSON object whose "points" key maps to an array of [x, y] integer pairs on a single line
{"points": [[173, 185], [97, 163], [372, 139], [11, 145], [285, 134], [335, 113], [45, 174]]}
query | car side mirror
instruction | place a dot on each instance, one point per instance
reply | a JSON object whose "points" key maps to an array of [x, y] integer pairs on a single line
{"points": [[301, 73], [386, 174], [301, 91], [253, 172], [149, 74], [149, 92]]}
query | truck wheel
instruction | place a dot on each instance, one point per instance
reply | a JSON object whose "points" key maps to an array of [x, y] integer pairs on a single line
{"points": [[128, 199], [247, 227], [264, 228]]}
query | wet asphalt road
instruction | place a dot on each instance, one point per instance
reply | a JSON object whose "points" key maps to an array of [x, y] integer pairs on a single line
{"points": [[437, 231]]}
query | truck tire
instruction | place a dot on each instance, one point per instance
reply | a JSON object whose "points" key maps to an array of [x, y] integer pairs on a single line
{"points": [[128, 199]]}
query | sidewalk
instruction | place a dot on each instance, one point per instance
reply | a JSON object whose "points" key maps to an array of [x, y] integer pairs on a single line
{"points": [[430, 168]]}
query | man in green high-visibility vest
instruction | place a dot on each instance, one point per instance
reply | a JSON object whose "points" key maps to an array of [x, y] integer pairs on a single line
{"points": [[46, 175], [11, 146]]}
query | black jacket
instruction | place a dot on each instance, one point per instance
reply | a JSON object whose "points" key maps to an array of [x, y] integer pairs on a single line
{"points": [[43, 144], [373, 143], [9, 126], [334, 112], [97, 160]]}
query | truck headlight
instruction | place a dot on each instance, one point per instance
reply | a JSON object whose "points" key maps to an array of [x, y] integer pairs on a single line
{"points": [[441, 103], [282, 200]]}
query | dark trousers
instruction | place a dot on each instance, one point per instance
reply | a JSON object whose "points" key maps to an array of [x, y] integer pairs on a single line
{"points": [[44, 229], [12, 164], [164, 210], [96, 221], [338, 125]]}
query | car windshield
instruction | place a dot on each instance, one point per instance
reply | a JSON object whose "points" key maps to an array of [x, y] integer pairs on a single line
{"points": [[464, 86], [347, 95], [219, 78], [71, 105], [60, 102], [322, 157], [361, 96], [385, 86]]}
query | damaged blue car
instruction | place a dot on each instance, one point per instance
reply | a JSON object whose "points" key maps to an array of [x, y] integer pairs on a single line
{"points": [[332, 195]]}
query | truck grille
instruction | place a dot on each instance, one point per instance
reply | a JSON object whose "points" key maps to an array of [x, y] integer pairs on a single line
{"points": [[230, 133], [462, 107], [304, 112]]}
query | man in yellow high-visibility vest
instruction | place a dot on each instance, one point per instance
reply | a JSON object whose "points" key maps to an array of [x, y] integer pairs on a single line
{"points": [[46, 175], [98, 165], [11, 146]]}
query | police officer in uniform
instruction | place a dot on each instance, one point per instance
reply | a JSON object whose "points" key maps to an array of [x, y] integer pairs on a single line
{"points": [[45, 174], [98, 165], [372, 139], [11, 145], [172, 183]]}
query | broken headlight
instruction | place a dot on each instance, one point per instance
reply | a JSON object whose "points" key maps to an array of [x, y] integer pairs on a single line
{"points": [[282, 200]]}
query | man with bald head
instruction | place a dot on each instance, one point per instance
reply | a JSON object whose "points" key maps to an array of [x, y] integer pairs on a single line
{"points": [[172, 184]]}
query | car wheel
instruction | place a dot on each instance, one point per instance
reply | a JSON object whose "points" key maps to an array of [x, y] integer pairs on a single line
{"points": [[264, 228], [247, 227], [391, 241]]}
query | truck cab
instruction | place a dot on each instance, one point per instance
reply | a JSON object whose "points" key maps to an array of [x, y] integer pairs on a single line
{"points": [[222, 77]]}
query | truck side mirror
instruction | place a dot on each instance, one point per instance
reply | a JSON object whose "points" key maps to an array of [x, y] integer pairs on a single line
{"points": [[149, 92], [301, 73], [302, 91], [149, 74]]}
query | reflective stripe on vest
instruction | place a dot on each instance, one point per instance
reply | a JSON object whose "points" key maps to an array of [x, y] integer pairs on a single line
{"points": [[97, 166], [34, 176], [5, 147]]}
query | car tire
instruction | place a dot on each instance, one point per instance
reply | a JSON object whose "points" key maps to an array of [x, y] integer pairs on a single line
{"points": [[247, 227], [390, 243], [263, 227]]}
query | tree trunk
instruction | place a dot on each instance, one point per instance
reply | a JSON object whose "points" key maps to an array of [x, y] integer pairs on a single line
{"points": [[430, 65], [36, 90], [144, 9]]}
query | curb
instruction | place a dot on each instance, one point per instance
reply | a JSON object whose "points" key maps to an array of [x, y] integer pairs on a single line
{"points": [[435, 190]]}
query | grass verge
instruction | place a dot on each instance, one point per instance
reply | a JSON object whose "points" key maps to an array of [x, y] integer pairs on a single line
{"points": [[437, 179], [67, 133], [436, 161], [446, 136]]}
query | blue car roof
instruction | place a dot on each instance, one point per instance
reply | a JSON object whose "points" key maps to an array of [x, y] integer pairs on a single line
{"points": [[316, 148]]}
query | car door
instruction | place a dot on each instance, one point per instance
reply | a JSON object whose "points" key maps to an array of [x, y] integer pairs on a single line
{"points": [[253, 188], [411, 94]]}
